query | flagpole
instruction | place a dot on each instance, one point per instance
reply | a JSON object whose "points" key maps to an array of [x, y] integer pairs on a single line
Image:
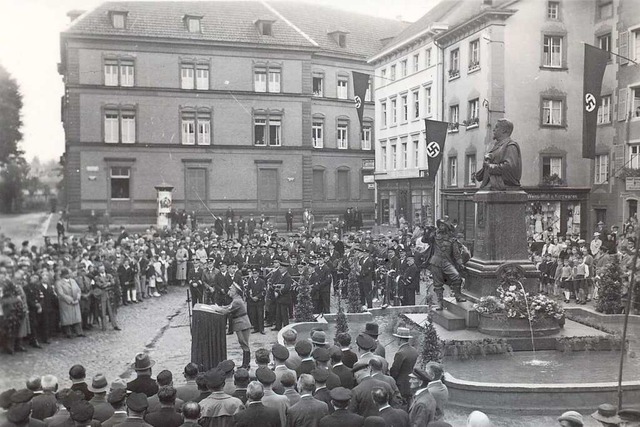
{"points": [[613, 53]]}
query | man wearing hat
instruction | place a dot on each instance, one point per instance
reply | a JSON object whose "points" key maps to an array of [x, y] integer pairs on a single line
{"points": [[256, 414], [607, 415], [82, 413], [322, 356], [349, 358], [44, 404], [270, 399], [256, 291], [65, 398], [423, 407], [318, 339], [280, 355], [446, 262], [227, 367], [366, 344], [571, 419], [629, 417], [143, 382], [136, 406], [240, 324], [341, 416], [321, 284], [365, 279], [409, 280], [403, 362], [362, 402], [307, 364], [322, 392], [116, 399], [308, 411], [218, 408], [280, 281], [372, 329], [102, 409]]}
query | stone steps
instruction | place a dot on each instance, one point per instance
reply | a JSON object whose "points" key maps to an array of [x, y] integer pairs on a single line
{"points": [[464, 310], [448, 320]]}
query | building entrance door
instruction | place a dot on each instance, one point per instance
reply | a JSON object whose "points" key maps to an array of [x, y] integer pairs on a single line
{"points": [[267, 189], [195, 189]]}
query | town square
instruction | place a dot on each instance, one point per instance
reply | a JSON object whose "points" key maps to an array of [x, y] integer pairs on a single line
{"points": [[319, 213]]}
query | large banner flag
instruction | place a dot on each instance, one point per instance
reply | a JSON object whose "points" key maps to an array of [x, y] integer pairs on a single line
{"points": [[595, 61], [436, 133], [360, 86]]}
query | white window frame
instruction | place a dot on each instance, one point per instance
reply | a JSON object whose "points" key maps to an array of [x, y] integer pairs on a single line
{"points": [[383, 155], [404, 67], [552, 112], [318, 93], [187, 77], [427, 100], [383, 113], [118, 20], [416, 62], [427, 58], [115, 172], [473, 112], [635, 102], [189, 130], [342, 88], [453, 171], [553, 10], [275, 129], [552, 51], [404, 107], [416, 104], [404, 153], [555, 165], [604, 42], [415, 140], [204, 130], [260, 79], [111, 127], [274, 81], [119, 72], [601, 175], [202, 77], [604, 110], [128, 127], [471, 166], [394, 155], [119, 126], [366, 136], [394, 111], [474, 55], [317, 133], [392, 74], [262, 122], [454, 117], [194, 25], [454, 63], [633, 158], [342, 135]]}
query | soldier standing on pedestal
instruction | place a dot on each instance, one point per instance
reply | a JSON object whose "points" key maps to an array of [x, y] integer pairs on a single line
{"points": [[446, 262]]}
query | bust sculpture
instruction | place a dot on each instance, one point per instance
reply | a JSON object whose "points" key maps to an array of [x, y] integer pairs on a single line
{"points": [[502, 167]]}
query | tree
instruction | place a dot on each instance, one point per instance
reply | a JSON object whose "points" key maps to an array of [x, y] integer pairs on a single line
{"points": [[304, 306], [431, 345], [342, 324], [10, 121], [609, 299], [13, 178]]}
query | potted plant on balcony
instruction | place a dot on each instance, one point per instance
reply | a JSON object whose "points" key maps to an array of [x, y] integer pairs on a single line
{"points": [[454, 73], [472, 122], [552, 180], [453, 127], [474, 65]]}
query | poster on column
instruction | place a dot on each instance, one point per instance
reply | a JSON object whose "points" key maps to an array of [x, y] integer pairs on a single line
{"points": [[165, 202]]}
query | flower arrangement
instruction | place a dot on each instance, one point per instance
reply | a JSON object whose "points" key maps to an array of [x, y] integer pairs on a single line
{"points": [[515, 303]]}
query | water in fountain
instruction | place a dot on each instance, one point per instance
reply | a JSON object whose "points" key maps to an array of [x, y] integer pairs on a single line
{"points": [[534, 361]]}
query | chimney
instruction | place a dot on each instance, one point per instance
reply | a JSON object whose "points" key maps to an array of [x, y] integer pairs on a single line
{"points": [[74, 14]]}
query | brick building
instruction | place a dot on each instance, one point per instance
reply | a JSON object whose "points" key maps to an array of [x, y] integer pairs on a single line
{"points": [[241, 104]]}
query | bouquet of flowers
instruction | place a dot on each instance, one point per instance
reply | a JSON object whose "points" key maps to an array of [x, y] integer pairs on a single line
{"points": [[514, 302]]}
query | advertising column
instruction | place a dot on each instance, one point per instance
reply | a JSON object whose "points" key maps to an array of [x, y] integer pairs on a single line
{"points": [[165, 202]]}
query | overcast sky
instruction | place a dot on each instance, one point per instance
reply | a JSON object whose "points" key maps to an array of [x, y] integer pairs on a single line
{"points": [[29, 50]]}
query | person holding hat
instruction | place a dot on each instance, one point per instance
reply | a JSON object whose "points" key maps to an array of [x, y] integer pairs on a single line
{"points": [[143, 383], [136, 406], [240, 324], [445, 262], [116, 399], [218, 408], [607, 415], [308, 411], [342, 416], [403, 362], [422, 410], [270, 399], [280, 281], [102, 409], [256, 291]]}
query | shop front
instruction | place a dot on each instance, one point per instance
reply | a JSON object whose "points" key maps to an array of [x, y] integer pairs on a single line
{"points": [[411, 199]]}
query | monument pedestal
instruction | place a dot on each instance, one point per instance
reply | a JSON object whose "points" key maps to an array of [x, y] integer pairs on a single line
{"points": [[500, 246], [208, 337]]}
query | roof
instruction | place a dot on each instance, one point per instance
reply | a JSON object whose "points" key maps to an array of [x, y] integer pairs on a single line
{"points": [[234, 22]]}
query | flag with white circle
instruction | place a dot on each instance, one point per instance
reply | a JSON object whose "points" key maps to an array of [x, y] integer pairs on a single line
{"points": [[436, 134]]}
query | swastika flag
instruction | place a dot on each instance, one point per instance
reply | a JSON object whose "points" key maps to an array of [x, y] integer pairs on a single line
{"points": [[360, 86], [436, 133], [595, 61]]}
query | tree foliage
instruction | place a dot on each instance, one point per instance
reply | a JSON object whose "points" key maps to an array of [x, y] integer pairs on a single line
{"points": [[610, 289], [304, 306], [431, 350], [10, 120], [342, 324], [13, 178], [353, 290]]}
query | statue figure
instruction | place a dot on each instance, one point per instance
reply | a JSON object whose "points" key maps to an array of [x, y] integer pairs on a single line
{"points": [[502, 166]]}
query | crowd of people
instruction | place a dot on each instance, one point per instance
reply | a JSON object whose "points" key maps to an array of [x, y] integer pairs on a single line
{"points": [[304, 382]]}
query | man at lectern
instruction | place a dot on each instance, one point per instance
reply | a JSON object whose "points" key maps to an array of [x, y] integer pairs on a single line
{"points": [[240, 323]]}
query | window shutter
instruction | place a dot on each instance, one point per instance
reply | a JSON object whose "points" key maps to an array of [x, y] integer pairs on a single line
{"points": [[623, 47], [622, 104]]}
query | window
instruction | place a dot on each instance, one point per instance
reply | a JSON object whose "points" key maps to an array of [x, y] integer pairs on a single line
{"points": [[416, 62], [383, 156], [403, 68], [427, 100], [416, 104], [474, 55], [343, 135], [473, 111], [394, 155], [265, 28], [454, 63], [343, 84], [119, 126], [367, 94], [404, 102], [120, 180], [552, 167], [275, 131], [318, 86], [416, 151], [383, 113], [551, 112], [634, 157], [453, 171], [366, 136], [119, 72], [635, 54], [635, 108], [318, 184], [118, 19], [267, 130], [427, 58], [342, 40], [604, 42], [342, 184], [470, 169], [267, 79], [193, 24], [317, 133], [601, 169], [394, 111], [196, 128], [454, 118], [194, 76], [604, 110], [393, 72], [383, 75], [552, 52], [605, 9], [553, 10], [404, 153]]}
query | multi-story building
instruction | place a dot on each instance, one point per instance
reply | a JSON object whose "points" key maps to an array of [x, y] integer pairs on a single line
{"points": [[240, 104]]}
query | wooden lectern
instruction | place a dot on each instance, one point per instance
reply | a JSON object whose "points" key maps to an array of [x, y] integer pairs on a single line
{"points": [[208, 337]]}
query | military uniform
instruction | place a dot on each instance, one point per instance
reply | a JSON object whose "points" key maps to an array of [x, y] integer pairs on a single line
{"points": [[445, 263]]}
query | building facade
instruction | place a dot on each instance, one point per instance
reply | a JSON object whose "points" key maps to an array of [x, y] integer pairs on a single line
{"points": [[247, 105]]}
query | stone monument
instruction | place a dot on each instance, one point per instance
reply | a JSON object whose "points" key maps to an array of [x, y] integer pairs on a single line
{"points": [[500, 241]]}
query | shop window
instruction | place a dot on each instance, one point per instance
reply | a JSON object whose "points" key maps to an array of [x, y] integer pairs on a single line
{"points": [[120, 178], [601, 169]]}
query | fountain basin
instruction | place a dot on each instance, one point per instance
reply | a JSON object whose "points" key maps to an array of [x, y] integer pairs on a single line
{"points": [[502, 326]]}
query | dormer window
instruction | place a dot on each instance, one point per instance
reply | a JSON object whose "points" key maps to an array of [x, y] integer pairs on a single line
{"points": [[193, 23], [265, 26], [340, 37], [118, 19]]}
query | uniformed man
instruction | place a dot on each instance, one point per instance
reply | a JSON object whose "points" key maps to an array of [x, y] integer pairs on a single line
{"points": [[281, 282], [446, 262], [256, 290], [240, 324]]}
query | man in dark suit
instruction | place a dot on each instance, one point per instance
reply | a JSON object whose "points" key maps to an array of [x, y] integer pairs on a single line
{"points": [[45, 405], [136, 406], [102, 409], [166, 416], [241, 381], [196, 282], [281, 282], [346, 376], [349, 358], [373, 330], [393, 417], [423, 407], [189, 391], [322, 392], [308, 411], [341, 417], [403, 362], [256, 291], [143, 382], [256, 414], [322, 285], [77, 375], [116, 398], [362, 403], [191, 413], [322, 356], [303, 348], [81, 413], [365, 280], [409, 280]]}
